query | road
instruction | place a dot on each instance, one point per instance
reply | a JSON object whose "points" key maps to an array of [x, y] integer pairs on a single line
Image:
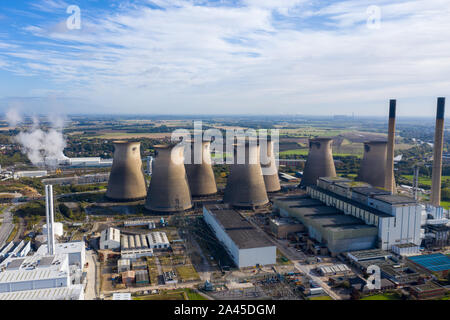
{"points": [[91, 290], [7, 226], [294, 256]]}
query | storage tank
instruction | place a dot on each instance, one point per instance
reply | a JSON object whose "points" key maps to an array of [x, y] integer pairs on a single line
{"points": [[126, 181], [245, 185], [169, 188], [201, 175], [320, 162], [373, 164]]}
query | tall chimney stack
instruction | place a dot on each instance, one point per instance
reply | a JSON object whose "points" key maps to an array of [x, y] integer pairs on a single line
{"points": [[50, 219], [437, 156], [390, 182]]}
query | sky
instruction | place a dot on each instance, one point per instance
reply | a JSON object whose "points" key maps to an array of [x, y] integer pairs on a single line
{"points": [[224, 56]]}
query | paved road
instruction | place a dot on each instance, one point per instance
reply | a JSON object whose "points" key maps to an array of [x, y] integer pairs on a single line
{"points": [[7, 226], [91, 292]]}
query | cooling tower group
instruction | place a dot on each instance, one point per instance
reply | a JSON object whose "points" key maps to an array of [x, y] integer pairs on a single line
{"points": [[253, 172]]}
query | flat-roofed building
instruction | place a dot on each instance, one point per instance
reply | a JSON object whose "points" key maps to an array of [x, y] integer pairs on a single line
{"points": [[110, 239], [282, 227], [75, 292], [35, 272], [76, 251], [406, 249], [429, 290], [246, 246]]}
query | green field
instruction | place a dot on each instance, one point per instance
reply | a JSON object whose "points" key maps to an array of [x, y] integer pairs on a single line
{"points": [[187, 273], [184, 294], [386, 296], [424, 180], [304, 152], [321, 298]]}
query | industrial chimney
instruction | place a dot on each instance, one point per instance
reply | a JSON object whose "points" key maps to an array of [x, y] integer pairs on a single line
{"points": [[437, 156], [319, 163], [169, 188], [373, 165], [245, 185], [269, 166], [201, 175], [390, 179], [50, 219], [126, 181]]}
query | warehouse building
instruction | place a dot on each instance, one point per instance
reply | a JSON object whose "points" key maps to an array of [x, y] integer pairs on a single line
{"points": [[110, 239], [432, 263], [35, 272], [334, 270], [14, 249], [158, 240], [246, 246], [140, 222], [123, 265], [75, 292]]}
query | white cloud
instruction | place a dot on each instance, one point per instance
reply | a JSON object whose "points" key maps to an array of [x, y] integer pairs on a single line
{"points": [[216, 59]]}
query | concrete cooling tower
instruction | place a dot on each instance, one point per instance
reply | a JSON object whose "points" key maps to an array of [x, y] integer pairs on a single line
{"points": [[126, 181], [373, 165], [245, 186], [320, 162], [201, 175], [169, 189], [269, 167]]}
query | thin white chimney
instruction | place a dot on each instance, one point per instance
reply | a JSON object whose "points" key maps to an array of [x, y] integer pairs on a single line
{"points": [[47, 216], [50, 219]]}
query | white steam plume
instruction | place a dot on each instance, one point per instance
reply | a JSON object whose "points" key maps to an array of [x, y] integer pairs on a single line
{"points": [[13, 117], [43, 147]]}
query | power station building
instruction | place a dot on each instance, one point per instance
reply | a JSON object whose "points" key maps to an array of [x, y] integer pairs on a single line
{"points": [[245, 245], [347, 215]]}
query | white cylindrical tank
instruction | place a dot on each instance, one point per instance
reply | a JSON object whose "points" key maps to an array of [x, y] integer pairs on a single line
{"points": [[58, 228]]}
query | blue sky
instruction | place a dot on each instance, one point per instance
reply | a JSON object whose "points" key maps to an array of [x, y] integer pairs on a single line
{"points": [[224, 56]]}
